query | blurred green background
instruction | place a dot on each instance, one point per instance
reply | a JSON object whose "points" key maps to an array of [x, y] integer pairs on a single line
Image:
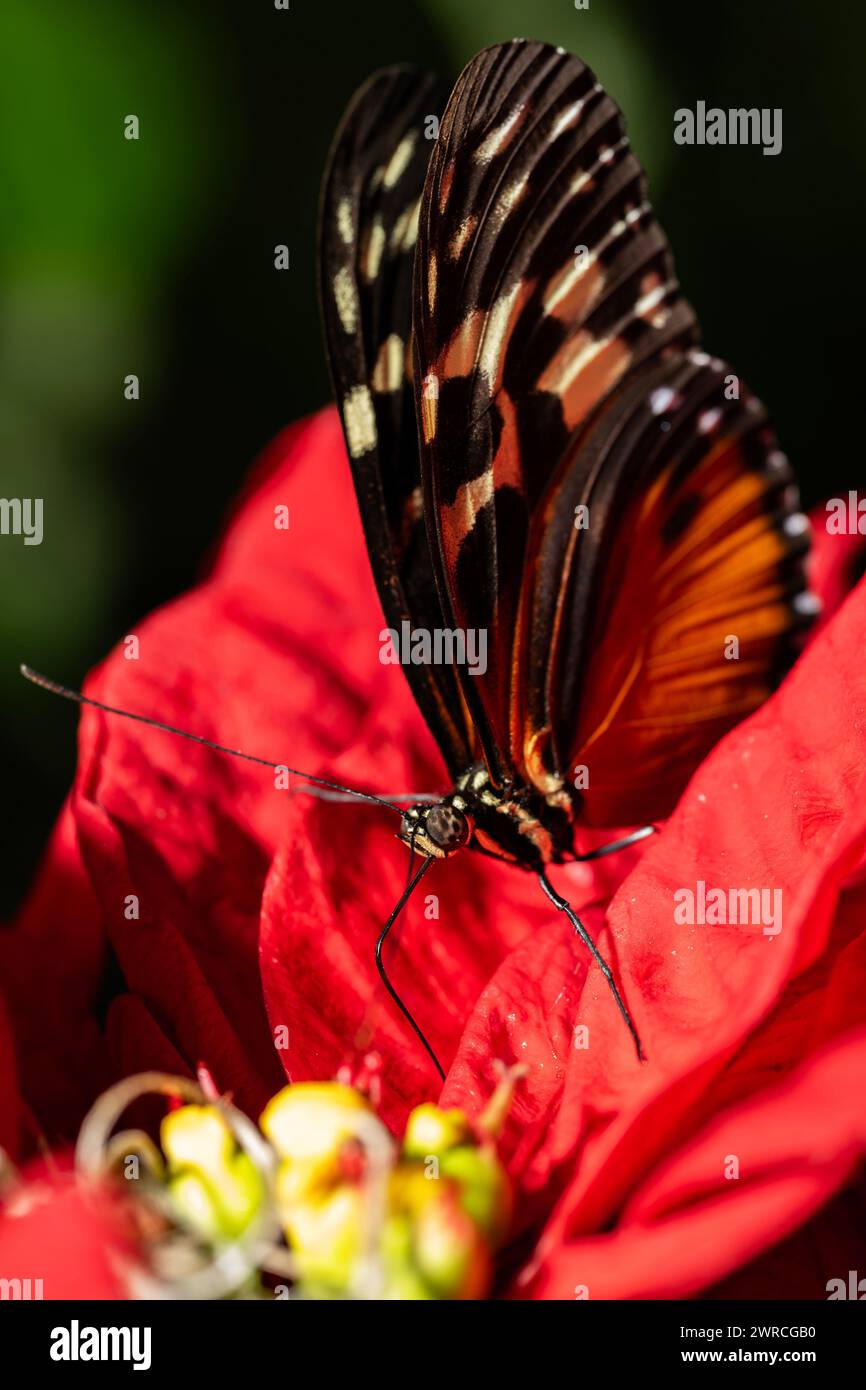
{"points": [[156, 257]]}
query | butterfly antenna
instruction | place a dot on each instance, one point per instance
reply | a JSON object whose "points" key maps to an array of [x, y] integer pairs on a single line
{"points": [[614, 846], [75, 695], [404, 898], [342, 797], [562, 906]]}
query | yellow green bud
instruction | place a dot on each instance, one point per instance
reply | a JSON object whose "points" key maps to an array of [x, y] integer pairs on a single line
{"points": [[449, 1250], [483, 1185], [310, 1119], [430, 1130], [196, 1207], [196, 1136], [326, 1234], [215, 1187]]}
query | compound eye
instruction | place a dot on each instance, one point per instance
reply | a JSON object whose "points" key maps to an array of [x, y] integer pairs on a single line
{"points": [[447, 827]]}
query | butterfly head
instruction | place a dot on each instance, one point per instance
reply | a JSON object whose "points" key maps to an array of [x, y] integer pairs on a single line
{"points": [[439, 829]]}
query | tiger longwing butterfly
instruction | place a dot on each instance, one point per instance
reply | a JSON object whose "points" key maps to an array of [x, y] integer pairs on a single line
{"points": [[542, 453]]}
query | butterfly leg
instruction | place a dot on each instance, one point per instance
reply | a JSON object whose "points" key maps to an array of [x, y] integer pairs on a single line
{"points": [[412, 834], [634, 838], [404, 898], [562, 906]]}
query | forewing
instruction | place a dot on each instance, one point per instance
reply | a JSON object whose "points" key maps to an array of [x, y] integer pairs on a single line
{"points": [[542, 281], [368, 229]]}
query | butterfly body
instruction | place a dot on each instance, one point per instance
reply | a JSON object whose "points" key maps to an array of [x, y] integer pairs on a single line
{"points": [[514, 823]]}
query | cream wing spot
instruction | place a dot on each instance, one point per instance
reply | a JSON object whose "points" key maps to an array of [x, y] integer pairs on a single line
{"points": [[371, 255], [404, 233], [569, 118], [507, 201], [346, 299], [495, 328], [345, 223], [566, 281], [458, 242], [498, 139], [388, 373], [396, 166], [359, 419]]}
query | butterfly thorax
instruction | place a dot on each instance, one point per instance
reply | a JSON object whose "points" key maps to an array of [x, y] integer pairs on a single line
{"points": [[515, 823]]}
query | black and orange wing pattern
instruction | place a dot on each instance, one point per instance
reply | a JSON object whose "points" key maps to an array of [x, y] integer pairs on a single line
{"points": [[542, 280], [680, 595], [367, 230], [603, 500], [608, 503]]}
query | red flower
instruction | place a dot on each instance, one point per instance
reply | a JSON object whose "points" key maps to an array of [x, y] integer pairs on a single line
{"points": [[58, 1242], [257, 912]]}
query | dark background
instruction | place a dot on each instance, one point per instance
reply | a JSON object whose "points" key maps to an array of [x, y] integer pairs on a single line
{"points": [[156, 257]]}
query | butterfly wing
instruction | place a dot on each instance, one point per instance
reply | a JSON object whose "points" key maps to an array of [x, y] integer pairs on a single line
{"points": [[367, 231], [542, 280], [555, 376], [666, 592]]}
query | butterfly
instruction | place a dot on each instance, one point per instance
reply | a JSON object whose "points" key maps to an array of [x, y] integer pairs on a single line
{"points": [[543, 455], [545, 459]]}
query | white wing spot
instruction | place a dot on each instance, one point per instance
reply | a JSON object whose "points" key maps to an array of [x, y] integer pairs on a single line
{"points": [[708, 419], [661, 400], [807, 604], [796, 525]]}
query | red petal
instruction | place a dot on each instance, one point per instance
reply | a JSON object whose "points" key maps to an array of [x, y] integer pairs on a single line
{"points": [[68, 1242], [333, 887], [262, 656], [835, 564], [778, 804], [52, 966], [689, 1224], [10, 1104]]}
